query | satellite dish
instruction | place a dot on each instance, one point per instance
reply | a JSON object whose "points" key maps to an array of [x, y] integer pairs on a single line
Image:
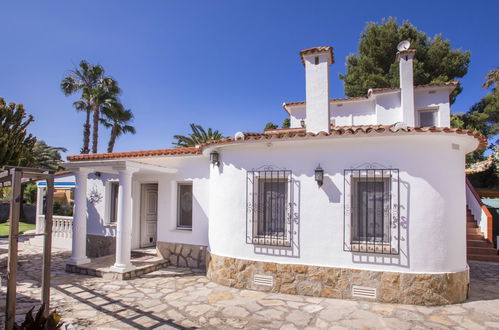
{"points": [[403, 45]]}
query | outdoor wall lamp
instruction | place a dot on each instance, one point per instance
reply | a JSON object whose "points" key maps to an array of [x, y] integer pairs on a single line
{"points": [[319, 175], [215, 158], [98, 174], [302, 123]]}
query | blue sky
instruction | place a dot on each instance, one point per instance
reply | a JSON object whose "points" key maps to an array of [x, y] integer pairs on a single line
{"points": [[228, 65]]}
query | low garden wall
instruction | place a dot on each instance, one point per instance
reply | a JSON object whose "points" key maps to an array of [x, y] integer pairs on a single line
{"points": [[28, 210]]}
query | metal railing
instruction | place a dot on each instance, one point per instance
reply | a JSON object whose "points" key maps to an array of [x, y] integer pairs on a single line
{"points": [[371, 210], [268, 207]]}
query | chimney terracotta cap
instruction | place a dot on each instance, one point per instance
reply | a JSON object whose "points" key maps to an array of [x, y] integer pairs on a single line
{"points": [[405, 52], [317, 50]]}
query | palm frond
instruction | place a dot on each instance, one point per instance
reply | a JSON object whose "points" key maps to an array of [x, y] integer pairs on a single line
{"points": [[198, 136]]}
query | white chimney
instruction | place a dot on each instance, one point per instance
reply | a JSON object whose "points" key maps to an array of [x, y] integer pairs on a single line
{"points": [[317, 61], [406, 73]]}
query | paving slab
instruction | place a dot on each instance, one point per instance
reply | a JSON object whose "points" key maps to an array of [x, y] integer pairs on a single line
{"points": [[178, 298]]}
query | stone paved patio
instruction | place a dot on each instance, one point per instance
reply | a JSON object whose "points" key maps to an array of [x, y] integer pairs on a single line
{"points": [[144, 262], [177, 298]]}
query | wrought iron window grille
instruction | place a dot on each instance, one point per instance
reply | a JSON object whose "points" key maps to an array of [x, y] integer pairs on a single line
{"points": [[371, 209], [269, 207]]}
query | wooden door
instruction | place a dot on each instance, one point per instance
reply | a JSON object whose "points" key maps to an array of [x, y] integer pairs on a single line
{"points": [[148, 214]]}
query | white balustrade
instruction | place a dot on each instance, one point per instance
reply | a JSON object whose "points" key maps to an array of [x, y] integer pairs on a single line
{"points": [[62, 226]]}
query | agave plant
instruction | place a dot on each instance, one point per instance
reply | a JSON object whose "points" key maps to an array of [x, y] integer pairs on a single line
{"points": [[40, 322]]}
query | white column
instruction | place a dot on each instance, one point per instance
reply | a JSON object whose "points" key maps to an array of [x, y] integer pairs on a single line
{"points": [[124, 223], [79, 242], [39, 210]]}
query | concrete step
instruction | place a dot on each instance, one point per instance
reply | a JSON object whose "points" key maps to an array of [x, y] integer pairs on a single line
{"points": [[481, 251], [474, 237], [483, 257], [478, 243], [474, 231]]}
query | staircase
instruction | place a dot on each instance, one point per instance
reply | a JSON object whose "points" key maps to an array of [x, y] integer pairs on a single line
{"points": [[477, 247]]}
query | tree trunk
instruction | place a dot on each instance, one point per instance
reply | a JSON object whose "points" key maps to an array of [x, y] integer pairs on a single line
{"points": [[86, 135], [95, 135], [112, 139]]}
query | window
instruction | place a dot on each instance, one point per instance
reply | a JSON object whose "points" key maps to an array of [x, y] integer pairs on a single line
{"points": [[268, 207], [316, 60], [114, 188], [272, 198], [427, 118], [184, 206], [371, 210]]}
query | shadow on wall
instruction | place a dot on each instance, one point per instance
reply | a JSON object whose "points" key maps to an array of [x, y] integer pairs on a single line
{"points": [[292, 251], [101, 239], [401, 259], [332, 192]]}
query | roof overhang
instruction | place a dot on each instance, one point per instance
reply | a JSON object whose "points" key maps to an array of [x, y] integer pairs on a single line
{"points": [[114, 166]]}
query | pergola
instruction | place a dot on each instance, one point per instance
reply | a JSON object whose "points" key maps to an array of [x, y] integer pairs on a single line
{"points": [[15, 177]]}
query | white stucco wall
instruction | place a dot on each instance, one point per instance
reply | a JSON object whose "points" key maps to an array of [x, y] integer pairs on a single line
{"points": [[296, 115], [438, 100], [190, 169], [432, 201], [388, 109], [382, 109], [353, 113], [97, 224]]}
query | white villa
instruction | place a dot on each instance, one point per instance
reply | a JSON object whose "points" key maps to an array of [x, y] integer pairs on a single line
{"points": [[362, 197]]}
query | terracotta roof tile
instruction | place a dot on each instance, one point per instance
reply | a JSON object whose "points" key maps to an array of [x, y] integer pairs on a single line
{"points": [[444, 84], [285, 134], [134, 154], [363, 129], [317, 50]]}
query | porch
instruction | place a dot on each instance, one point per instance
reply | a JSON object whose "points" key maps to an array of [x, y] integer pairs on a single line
{"points": [[143, 261], [131, 217]]}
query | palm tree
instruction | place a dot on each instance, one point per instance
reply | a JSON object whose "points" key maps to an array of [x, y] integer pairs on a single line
{"points": [[198, 136], [82, 105], [117, 118], [46, 156], [95, 89], [102, 95], [492, 78]]}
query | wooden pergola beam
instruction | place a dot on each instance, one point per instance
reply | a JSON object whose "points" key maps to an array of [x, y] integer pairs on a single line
{"points": [[15, 177], [15, 211]]}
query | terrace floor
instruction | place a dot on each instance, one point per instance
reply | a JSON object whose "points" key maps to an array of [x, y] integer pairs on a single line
{"points": [[178, 298], [144, 261]]}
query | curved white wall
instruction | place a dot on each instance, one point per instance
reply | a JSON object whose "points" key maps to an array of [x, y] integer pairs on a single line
{"points": [[432, 200]]}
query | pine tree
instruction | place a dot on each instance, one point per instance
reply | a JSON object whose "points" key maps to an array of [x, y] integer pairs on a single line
{"points": [[375, 65]]}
